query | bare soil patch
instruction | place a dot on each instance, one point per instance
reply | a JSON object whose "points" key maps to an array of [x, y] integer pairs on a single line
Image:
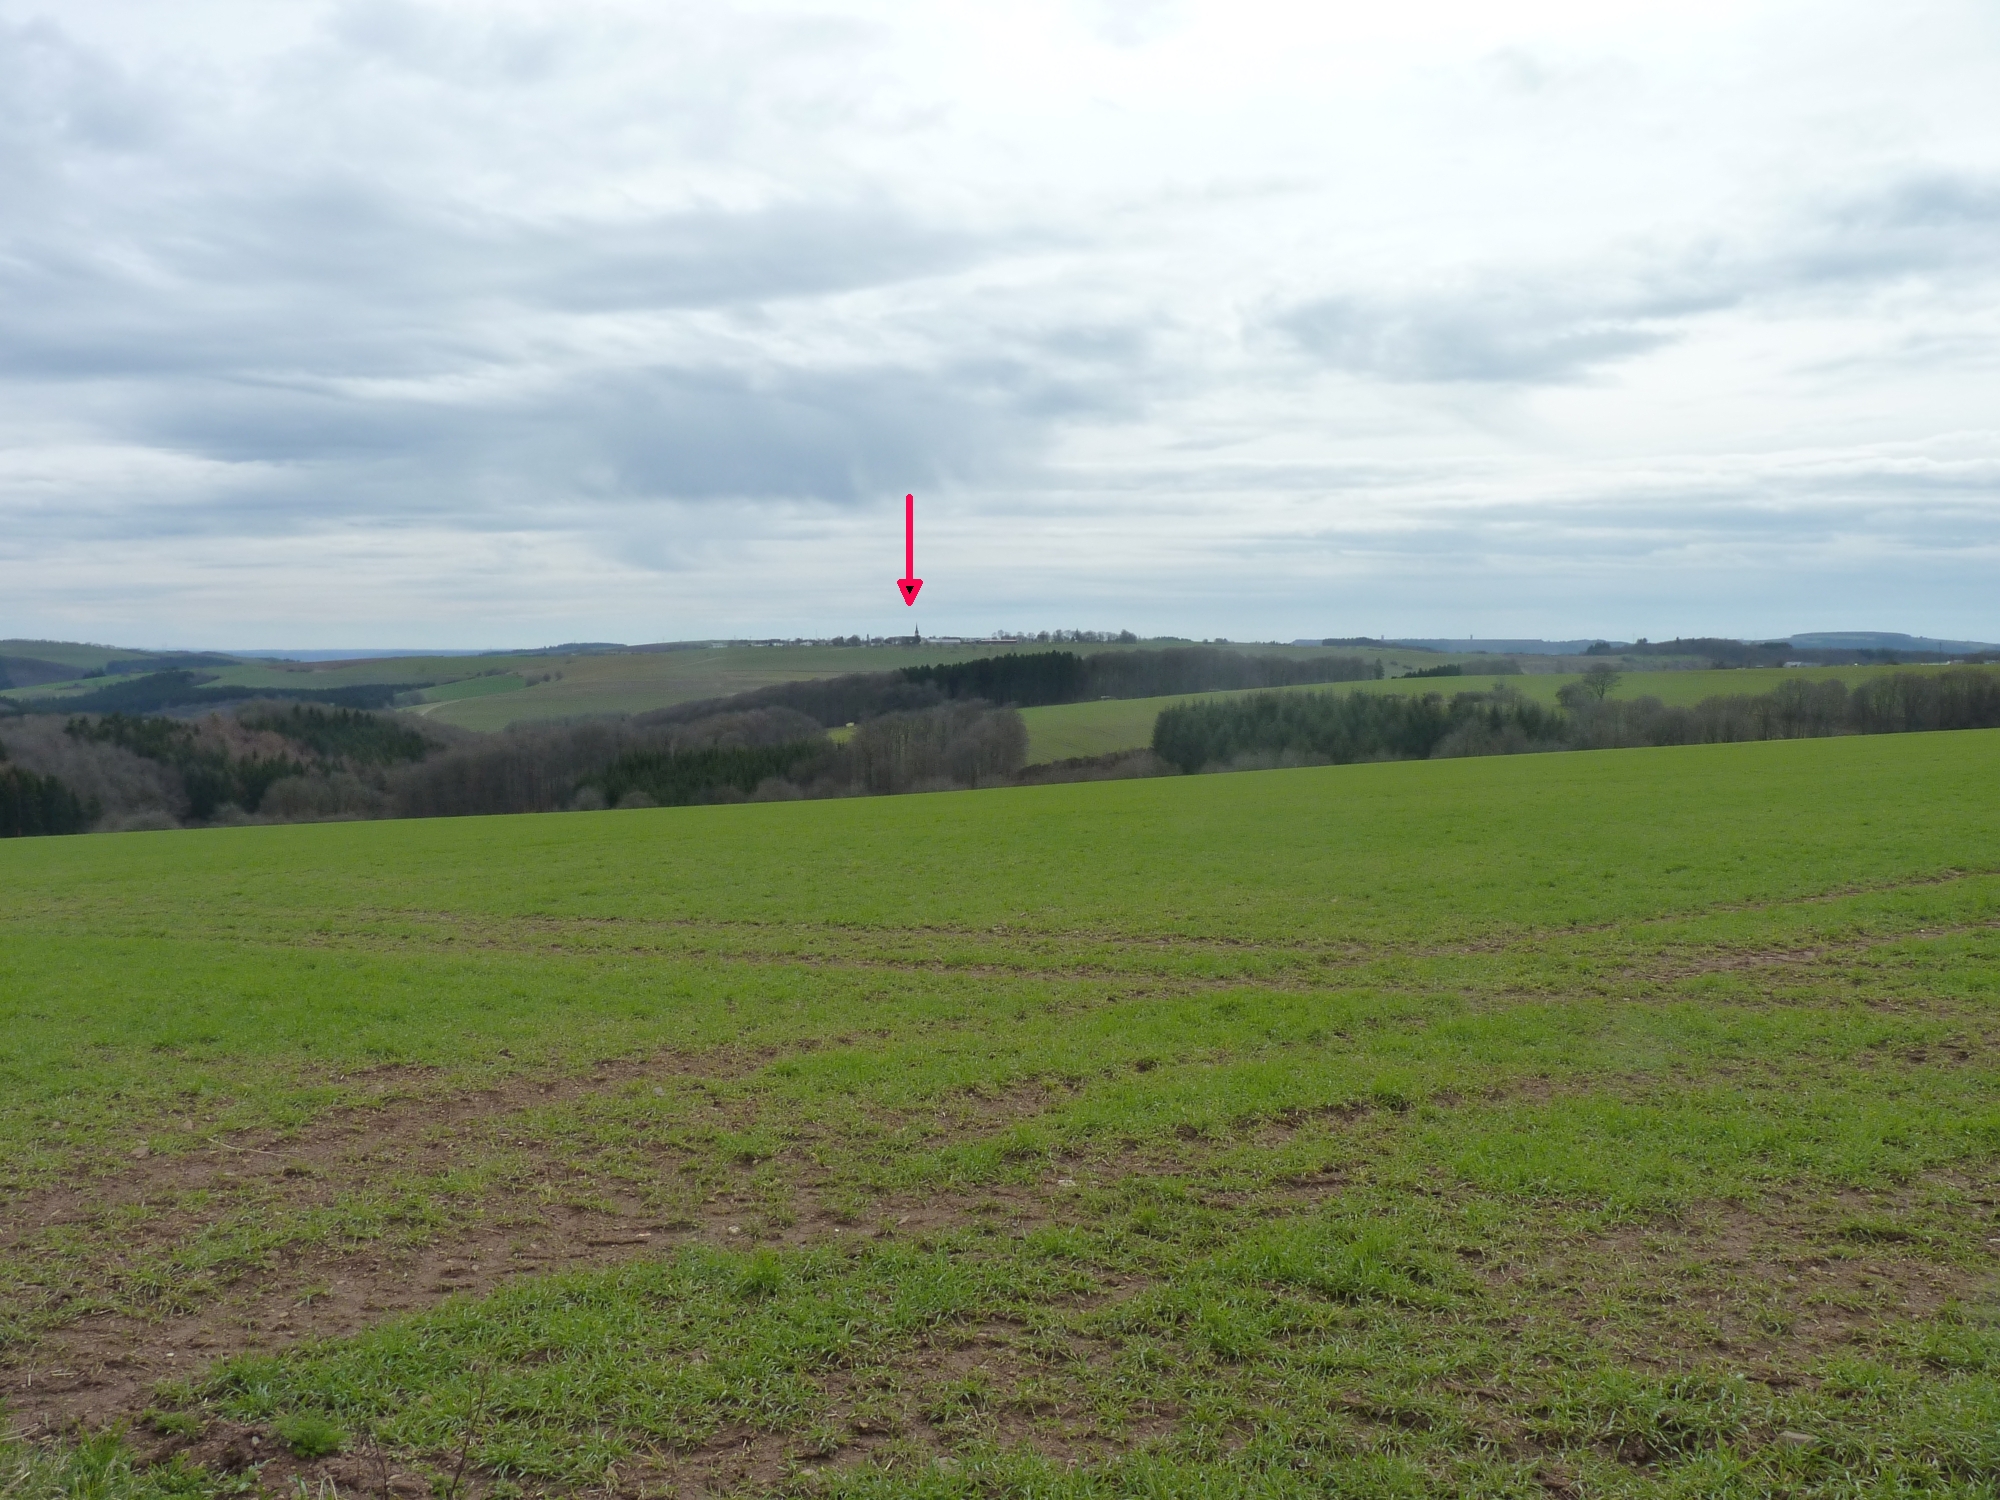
{"points": [[1772, 1292], [100, 1367]]}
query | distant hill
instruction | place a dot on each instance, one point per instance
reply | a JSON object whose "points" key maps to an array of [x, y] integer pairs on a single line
{"points": [[384, 653], [1506, 647], [1811, 640], [1887, 640], [486, 691], [1467, 645]]}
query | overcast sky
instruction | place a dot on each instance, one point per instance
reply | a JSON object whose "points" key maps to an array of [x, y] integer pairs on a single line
{"points": [[453, 324]]}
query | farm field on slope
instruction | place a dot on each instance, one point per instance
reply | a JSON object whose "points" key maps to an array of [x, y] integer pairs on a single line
{"points": [[633, 682], [527, 686], [1594, 1123], [1062, 730]]}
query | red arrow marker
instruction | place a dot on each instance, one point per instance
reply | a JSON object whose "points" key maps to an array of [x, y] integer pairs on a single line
{"points": [[909, 583]]}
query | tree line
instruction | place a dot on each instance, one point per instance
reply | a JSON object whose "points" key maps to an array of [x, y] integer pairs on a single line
{"points": [[1894, 703], [293, 762], [761, 754], [1326, 728], [1720, 652], [1330, 728], [1028, 679], [32, 804], [1032, 679]]}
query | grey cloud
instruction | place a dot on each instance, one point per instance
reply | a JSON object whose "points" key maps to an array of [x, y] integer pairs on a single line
{"points": [[1923, 223], [828, 437], [375, 247], [480, 46], [1930, 200], [1496, 335], [427, 41], [633, 280], [706, 260], [1504, 327], [349, 278], [599, 441], [53, 90], [1508, 327], [259, 262], [350, 348]]}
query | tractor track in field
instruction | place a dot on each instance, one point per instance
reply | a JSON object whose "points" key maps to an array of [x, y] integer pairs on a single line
{"points": [[1301, 970], [364, 916], [1035, 953]]}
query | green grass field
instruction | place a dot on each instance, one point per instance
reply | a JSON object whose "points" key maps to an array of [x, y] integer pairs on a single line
{"points": [[1585, 1124], [1064, 730], [278, 675], [634, 683], [77, 654]]}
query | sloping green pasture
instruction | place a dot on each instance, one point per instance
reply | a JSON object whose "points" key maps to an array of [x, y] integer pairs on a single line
{"points": [[542, 686], [256, 673], [1063, 730], [633, 682], [1596, 1123]]}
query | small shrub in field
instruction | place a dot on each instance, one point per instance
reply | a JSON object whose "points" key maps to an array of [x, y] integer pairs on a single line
{"points": [[310, 1435]]}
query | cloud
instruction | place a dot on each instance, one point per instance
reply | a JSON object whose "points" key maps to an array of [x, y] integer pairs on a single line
{"points": [[53, 89], [1920, 222], [343, 277], [1498, 334], [1504, 327], [408, 289], [347, 346], [1130, 23]]}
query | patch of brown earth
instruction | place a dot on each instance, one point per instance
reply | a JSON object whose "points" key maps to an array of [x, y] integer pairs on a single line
{"points": [[1771, 1293], [97, 1250]]}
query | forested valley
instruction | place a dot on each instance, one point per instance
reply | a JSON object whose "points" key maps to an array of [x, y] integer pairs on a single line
{"points": [[920, 729]]}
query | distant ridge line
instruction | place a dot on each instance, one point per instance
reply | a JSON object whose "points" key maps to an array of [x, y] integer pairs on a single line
{"points": [[1812, 640]]}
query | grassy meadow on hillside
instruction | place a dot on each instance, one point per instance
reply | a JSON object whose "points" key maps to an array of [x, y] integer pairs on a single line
{"points": [[261, 674], [490, 692], [1063, 730], [1598, 1123], [636, 683]]}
